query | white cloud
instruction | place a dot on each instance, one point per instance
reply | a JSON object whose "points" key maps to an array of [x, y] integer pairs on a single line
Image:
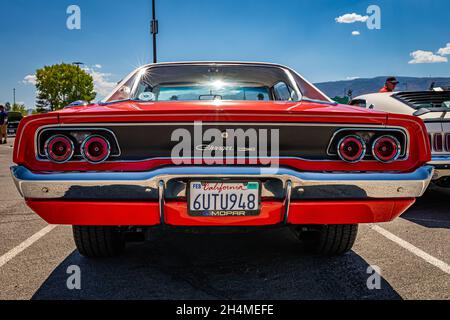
{"points": [[351, 18], [351, 78], [102, 83], [421, 56], [29, 79], [356, 33], [445, 51]]}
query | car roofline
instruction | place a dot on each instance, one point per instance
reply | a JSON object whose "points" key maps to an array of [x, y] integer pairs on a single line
{"points": [[180, 63], [213, 62]]}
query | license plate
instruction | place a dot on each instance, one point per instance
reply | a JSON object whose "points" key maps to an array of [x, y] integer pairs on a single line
{"points": [[224, 199]]}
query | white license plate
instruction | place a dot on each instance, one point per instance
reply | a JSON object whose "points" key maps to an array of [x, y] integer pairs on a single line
{"points": [[224, 199]]}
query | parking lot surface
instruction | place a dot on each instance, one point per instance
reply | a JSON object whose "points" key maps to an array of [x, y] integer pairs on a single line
{"points": [[412, 254]]}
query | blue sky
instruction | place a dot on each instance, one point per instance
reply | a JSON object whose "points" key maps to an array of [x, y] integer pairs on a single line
{"points": [[304, 34]]}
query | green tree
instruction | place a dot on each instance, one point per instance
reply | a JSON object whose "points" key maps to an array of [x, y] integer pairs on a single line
{"points": [[61, 84], [19, 108]]}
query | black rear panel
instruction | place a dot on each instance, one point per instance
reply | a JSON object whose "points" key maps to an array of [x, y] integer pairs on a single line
{"points": [[154, 141]]}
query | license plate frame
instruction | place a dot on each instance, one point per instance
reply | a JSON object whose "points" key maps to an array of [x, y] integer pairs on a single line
{"points": [[224, 213]]}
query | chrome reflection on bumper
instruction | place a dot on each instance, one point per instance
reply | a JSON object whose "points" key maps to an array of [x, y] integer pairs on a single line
{"points": [[146, 185], [441, 163], [441, 173]]}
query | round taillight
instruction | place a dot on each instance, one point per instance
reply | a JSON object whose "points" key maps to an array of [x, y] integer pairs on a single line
{"points": [[59, 149], [386, 149], [352, 149], [95, 149]]}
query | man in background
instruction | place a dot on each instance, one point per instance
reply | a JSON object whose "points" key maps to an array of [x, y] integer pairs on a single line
{"points": [[3, 125], [390, 85]]}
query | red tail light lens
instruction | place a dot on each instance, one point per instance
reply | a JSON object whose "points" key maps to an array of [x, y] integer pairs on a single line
{"points": [[59, 149], [438, 145], [386, 149], [95, 149], [352, 149]]}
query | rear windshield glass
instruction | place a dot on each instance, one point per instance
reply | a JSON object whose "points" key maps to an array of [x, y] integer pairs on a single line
{"points": [[216, 82], [425, 99]]}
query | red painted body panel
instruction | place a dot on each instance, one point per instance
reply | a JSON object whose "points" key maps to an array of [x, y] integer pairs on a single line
{"points": [[147, 213], [97, 213], [303, 112]]}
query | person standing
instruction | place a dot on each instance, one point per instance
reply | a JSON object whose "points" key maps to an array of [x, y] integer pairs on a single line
{"points": [[390, 85], [3, 125]]}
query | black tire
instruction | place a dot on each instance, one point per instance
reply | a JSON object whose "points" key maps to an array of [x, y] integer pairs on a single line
{"points": [[329, 240], [98, 242]]}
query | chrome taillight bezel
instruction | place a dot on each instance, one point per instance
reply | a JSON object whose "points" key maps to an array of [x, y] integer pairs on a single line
{"points": [[48, 152], [77, 134], [369, 135], [361, 153], [395, 155], [84, 149]]}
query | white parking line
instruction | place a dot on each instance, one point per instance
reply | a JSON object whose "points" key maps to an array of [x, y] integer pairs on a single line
{"points": [[4, 259], [408, 246]]}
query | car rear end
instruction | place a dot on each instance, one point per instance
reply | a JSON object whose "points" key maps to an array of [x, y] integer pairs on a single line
{"points": [[120, 170], [268, 151], [433, 108]]}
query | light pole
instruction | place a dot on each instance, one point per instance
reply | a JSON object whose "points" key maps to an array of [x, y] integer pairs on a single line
{"points": [[154, 30], [14, 96], [78, 64]]}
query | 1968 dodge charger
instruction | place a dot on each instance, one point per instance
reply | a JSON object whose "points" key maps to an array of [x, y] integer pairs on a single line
{"points": [[220, 145]]}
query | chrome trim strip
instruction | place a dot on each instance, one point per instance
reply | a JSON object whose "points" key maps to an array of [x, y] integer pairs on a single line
{"points": [[208, 123], [102, 185]]}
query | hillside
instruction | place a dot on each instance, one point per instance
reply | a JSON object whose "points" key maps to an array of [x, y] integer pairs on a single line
{"points": [[364, 86]]}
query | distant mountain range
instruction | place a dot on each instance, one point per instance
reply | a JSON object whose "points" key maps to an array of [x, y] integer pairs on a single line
{"points": [[363, 86]]}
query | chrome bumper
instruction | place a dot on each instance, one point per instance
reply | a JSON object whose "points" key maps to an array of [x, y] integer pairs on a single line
{"points": [[277, 183]]}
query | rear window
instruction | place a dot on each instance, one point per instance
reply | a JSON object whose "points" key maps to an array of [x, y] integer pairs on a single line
{"points": [[192, 82], [425, 99]]}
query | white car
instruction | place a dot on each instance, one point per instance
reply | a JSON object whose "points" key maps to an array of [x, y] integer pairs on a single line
{"points": [[433, 107]]}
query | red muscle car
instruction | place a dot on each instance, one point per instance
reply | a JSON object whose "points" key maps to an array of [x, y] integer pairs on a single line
{"points": [[219, 145]]}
